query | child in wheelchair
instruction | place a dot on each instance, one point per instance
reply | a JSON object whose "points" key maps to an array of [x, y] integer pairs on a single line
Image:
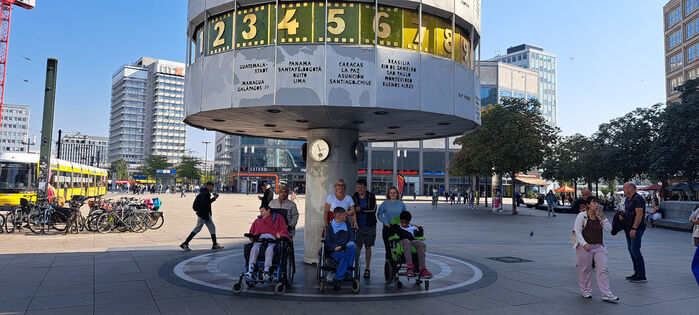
{"points": [[411, 236], [269, 234], [339, 245]]}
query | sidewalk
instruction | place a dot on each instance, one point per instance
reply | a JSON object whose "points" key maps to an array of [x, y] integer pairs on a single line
{"points": [[119, 272]]}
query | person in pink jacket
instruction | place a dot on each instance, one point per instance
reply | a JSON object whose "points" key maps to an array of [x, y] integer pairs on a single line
{"points": [[267, 226]]}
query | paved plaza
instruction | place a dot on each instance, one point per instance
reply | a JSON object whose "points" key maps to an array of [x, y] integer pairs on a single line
{"points": [[129, 273]]}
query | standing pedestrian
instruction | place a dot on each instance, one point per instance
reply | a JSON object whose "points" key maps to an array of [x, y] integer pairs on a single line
{"points": [[694, 219], [589, 232], [182, 191], [202, 206], [458, 198], [365, 209], [551, 202], [292, 213], [267, 196], [389, 209], [634, 226]]}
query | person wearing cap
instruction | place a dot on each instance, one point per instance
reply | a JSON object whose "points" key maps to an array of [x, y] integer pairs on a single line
{"points": [[292, 213], [202, 206], [267, 196]]}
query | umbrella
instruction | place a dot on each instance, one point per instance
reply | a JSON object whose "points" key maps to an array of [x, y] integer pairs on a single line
{"points": [[652, 187], [565, 188]]}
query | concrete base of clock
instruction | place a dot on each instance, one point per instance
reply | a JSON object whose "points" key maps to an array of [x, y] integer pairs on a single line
{"points": [[320, 180]]}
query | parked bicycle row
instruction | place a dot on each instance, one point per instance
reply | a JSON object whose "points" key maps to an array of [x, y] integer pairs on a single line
{"points": [[104, 215]]}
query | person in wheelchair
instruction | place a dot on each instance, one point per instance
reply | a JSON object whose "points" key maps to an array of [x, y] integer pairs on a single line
{"points": [[407, 233], [267, 226], [339, 243]]}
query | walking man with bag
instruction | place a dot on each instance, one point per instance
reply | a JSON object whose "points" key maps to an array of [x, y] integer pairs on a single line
{"points": [[202, 206]]}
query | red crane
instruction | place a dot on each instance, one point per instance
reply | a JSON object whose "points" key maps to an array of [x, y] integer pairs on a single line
{"points": [[6, 6]]}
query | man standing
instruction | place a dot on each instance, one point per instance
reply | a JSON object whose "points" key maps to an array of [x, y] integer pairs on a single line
{"points": [[268, 195], [550, 202], [202, 206], [586, 194], [292, 213], [365, 202], [634, 226]]}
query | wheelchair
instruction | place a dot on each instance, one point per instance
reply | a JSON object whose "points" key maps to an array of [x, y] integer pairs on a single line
{"points": [[327, 267], [282, 270], [395, 265]]}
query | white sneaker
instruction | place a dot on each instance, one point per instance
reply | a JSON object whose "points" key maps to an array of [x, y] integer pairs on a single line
{"points": [[586, 295], [610, 298], [248, 274]]}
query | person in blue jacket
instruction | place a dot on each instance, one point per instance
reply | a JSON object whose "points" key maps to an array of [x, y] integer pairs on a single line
{"points": [[339, 242]]}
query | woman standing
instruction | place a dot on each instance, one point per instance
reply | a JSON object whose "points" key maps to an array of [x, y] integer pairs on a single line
{"points": [[339, 199], [694, 218], [589, 228], [388, 209]]}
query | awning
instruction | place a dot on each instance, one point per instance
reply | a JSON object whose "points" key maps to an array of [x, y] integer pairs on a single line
{"points": [[565, 188], [652, 187], [532, 181]]}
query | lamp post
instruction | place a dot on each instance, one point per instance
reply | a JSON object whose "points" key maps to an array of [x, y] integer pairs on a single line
{"points": [[247, 180], [206, 159]]}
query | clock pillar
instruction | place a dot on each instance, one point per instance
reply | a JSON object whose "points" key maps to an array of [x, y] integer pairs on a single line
{"points": [[320, 180]]}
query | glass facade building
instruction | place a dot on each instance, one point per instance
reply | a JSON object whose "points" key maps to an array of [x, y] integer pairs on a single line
{"points": [[147, 111], [681, 26], [534, 58]]}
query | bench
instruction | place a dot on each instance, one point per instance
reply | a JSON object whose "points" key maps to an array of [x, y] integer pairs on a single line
{"points": [[676, 214]]}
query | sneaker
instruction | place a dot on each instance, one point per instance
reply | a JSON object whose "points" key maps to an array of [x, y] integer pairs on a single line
{"points": [[410, 272], [185, 247], [217, 246], [587, 295], [248, 274], [638, 278], [267, 275], [424, 273], [610, 298], [337, 285], [631, 277]]}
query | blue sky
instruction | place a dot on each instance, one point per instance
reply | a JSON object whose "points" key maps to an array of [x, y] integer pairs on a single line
{"points": [[610, 54]]}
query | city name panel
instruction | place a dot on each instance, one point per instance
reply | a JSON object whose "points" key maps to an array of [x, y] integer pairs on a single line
{"points": [[345, 23]]}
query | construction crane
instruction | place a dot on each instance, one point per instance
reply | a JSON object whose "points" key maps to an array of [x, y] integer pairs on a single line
{"points": [[6, 6]]}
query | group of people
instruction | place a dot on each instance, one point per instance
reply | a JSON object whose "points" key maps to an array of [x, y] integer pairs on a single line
{"points": [[350, 225], [588, 239]]}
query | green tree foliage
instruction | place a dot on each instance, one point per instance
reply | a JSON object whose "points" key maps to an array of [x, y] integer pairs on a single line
{"points": [[676, 151], [153, 163], [120, 168], [566, 161], [513, 138], [188, 167], [625, 143]]}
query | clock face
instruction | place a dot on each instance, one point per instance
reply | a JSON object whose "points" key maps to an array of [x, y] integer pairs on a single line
{"points": [[319, 150]]}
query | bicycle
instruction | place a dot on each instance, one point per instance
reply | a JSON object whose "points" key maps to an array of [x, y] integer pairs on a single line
{"points": [[120, 220], [3, 224], [43, 219]]}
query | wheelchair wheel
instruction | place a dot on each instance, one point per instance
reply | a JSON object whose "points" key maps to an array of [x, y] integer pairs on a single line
{"points": [[399, 284], [279, 288], [321, 286], [427, 284], [388, 271], [237, 287], [355, 286], [289, 268]]}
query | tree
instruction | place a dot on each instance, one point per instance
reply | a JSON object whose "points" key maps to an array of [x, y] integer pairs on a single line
{"points": [[153, 163], [676, 151], [120, 168], [188, 167], [566, 160], [626, 142], [513, 138]]}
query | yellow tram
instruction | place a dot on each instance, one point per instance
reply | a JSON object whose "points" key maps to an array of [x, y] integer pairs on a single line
{"points": [[19, 173]]}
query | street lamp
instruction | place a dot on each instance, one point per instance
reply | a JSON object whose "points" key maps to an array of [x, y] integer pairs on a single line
{"points": [[206, 159], [247, 180]]}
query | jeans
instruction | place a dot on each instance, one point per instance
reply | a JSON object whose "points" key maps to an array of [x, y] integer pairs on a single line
{"points": [[345, 259], [209, 225], [634, 245], [599, 253], [419, 246]]}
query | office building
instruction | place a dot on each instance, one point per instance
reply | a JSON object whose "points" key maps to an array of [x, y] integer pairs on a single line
{"points": [[15, 128], [83, 149], [423, 164], [681, 25], [535, 58], [499, 79], [147, 111]]}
